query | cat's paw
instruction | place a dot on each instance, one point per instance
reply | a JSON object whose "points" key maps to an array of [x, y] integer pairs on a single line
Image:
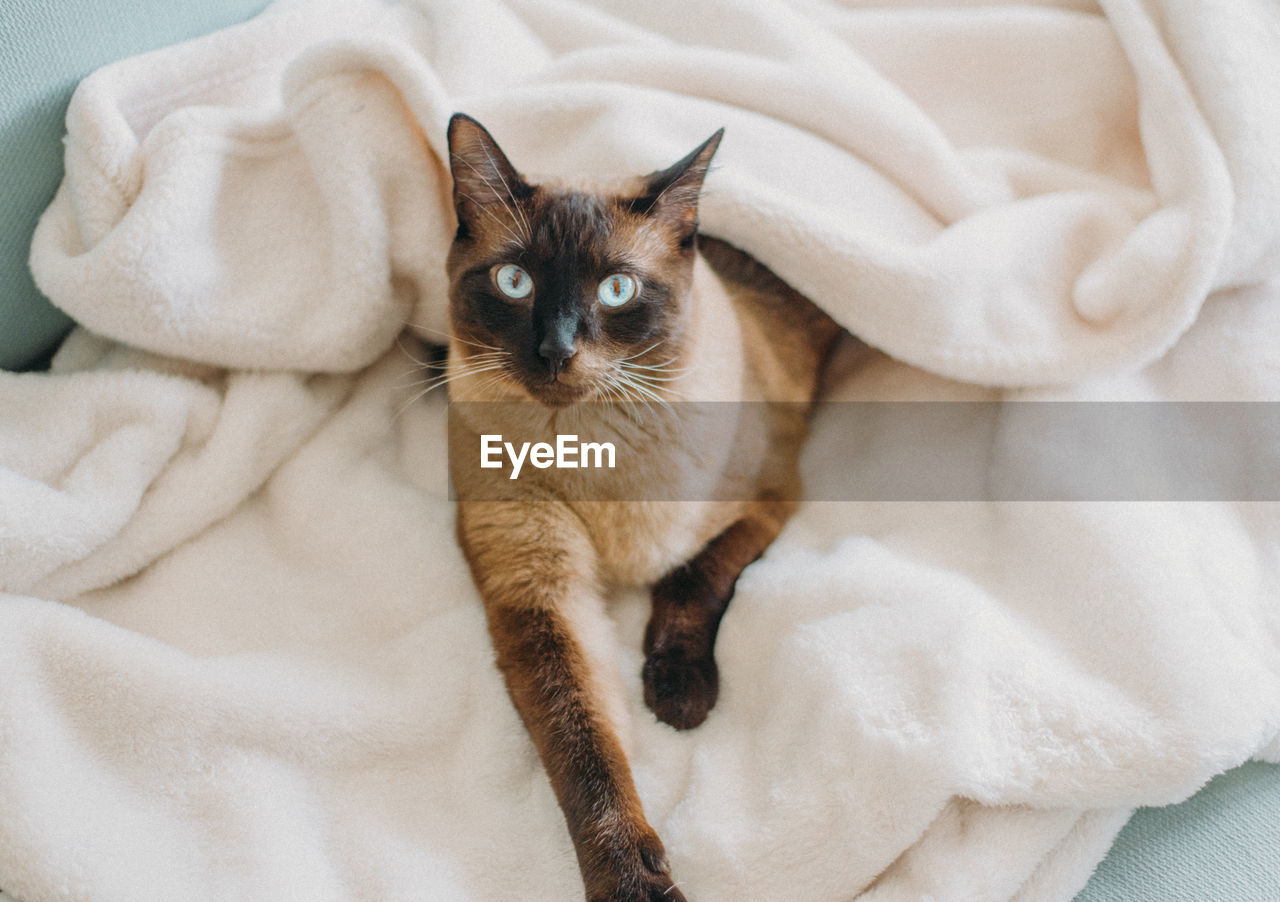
{"points": [[680, 689], [635, 873], [660, 890]]}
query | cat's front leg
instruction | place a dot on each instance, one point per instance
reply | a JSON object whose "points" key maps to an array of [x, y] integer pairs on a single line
{"points": [[681, 680], [535, 568]]}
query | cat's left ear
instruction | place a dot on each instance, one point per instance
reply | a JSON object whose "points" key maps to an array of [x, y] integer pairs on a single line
{"points": [[486, 187], [671, 194]]}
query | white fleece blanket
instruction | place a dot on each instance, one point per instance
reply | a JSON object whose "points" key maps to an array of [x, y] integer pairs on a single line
{"points": [[240, 655]]}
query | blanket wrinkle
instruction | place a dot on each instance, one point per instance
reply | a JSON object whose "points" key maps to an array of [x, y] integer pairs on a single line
{"points": [[234, 436], [236, 631]]}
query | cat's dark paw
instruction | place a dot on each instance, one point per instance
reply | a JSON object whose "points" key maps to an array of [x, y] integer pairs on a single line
{"points": [[658, 890], [680, 689], [638, 873]]}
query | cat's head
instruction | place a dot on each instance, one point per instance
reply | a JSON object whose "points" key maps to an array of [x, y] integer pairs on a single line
{"points": [[562, 293]]}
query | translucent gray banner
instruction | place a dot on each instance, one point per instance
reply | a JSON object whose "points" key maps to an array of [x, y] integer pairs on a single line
{"points": [[870, 451]]}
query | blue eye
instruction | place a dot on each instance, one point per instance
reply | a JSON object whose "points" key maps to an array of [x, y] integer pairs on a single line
{"points": [[617, 289], [513, 281]]}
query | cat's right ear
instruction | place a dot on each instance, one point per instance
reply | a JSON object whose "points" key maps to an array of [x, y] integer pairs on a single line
{"points": [[486, 187], [671, 195]]}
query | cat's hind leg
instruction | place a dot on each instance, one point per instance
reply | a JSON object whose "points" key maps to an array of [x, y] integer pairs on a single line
{"points": [[681, 680]]}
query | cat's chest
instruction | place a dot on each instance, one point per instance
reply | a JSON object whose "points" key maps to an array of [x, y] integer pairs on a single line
{"points": [[639, 542]]}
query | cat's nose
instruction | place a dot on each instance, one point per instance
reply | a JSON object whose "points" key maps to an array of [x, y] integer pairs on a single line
{"points": [[557, 350]]}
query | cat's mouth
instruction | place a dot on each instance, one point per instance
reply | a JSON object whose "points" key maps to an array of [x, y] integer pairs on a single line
{"points": [[556, 391]]}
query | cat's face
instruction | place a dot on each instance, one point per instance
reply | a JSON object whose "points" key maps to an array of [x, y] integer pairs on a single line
{"points": [[568, 295]]}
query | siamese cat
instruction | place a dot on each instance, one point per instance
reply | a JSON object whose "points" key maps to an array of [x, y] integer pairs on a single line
{"points": [[592, 310]]}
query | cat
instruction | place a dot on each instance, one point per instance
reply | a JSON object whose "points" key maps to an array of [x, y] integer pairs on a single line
{"points": [[590, 309]]}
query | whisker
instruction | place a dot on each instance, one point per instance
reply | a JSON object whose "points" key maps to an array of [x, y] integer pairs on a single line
{"points": [[664, 365], [405, 351], [490, 382], [403, 386], [486, 356], [638, 392], [649, 395], [442, 367], [645, 351], [661, 378], [656, 383], [641, 381], [438, 381], [409, 403], [631, 411], [455, 338], [446, 335]]}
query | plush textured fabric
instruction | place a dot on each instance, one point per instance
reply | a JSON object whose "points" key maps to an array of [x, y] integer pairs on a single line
{"points": [[1011, 230], [1222, 843], [45, 48], [238, 635]]}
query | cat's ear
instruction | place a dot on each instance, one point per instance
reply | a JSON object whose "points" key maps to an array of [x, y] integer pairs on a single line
{"points": [[486, 187], [671, 194]]}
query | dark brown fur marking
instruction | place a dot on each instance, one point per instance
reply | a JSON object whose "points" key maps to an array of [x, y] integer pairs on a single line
{"points": [[681, 680], [529, 565]]}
